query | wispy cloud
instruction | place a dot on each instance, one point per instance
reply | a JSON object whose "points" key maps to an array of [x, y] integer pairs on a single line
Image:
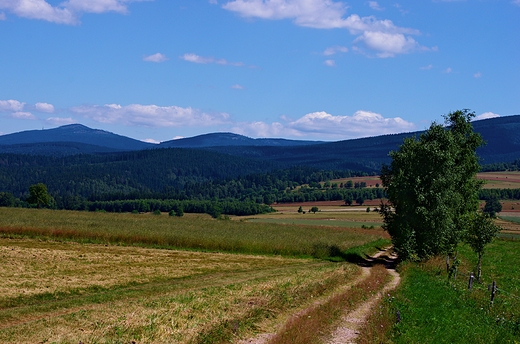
{"points": [[448, 70], [486, 115], [237, 87], [516, 2], [375, 6], [2, 16], [381, 36], [67, 12], [477, 75], [157, 58], [23, 115], [60, 120], [150, 115], [151, 141], [206, 60], [330, 63], [334, 50], [428, 67]]}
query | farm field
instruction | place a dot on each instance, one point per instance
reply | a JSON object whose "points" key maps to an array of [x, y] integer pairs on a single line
{"points": [[494, 180], [67, 292], [500, 180], [117, 278]]}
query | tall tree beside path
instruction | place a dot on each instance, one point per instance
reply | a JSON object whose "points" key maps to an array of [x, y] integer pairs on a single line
{"points": [[38, 195], [432, 188]]}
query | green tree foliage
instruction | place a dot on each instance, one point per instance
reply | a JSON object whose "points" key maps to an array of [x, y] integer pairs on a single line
{"points": [[6, 199], [300, 210], [360, 200], [482, 231], [349, 199], [39, 195], [314, 210], [493, 206], [432, 188]]}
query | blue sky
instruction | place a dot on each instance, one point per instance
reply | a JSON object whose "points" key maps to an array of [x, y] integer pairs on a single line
{"points": [[302, 69]]}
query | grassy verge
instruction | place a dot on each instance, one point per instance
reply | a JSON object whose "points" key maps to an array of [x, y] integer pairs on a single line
{"points": [[188, 232], [433, 311]]}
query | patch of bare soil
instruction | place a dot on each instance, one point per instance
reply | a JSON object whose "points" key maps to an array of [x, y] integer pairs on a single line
{"points": [[352, 321]]}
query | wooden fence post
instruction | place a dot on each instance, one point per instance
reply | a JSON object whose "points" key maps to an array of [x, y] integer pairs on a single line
{"points": [[470, 283], [493, 292]]}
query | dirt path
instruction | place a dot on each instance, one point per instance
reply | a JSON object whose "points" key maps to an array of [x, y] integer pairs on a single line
{"points": [[352, 321]]}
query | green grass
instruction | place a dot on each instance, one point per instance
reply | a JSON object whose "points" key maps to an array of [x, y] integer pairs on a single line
{"points": [[435, 311], [189, 232], [515, 219]]}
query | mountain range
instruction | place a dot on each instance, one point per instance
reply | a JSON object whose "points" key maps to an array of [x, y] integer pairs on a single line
{"points": [[502, 136]]}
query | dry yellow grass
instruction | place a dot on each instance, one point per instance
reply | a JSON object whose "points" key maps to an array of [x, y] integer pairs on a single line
{"points": [[149, 295]]}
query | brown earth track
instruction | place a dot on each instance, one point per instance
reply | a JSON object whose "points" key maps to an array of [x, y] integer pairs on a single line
{"points": [[352, 321]]}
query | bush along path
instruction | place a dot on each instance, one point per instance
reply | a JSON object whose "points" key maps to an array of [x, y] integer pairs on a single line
{"points": [[338, 318]]}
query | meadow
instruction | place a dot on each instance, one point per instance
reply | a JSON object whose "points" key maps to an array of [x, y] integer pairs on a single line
{"points": [[117, 278], [440, 311]]}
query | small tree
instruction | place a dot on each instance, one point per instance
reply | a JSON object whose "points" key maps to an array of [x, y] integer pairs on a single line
{"points": [[432, 187], [314, 209], [349, 199], [38, 195], [360, 200], [6, 199], [493, 206], [481, 232], [300, 209]]}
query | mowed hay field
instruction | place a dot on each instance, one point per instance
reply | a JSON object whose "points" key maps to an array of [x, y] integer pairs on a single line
{"points": [[500, 180], [116, 278]]}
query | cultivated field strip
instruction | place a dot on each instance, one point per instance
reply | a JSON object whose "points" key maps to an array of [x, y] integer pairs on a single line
{"points": [[68, 292]]}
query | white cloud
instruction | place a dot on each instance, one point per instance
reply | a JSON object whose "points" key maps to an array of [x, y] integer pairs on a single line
{"points": [[150, 115], [96, 6], [151, 141], [516, 2], [44, 107], [237, 87], [11, 105], [448, 70], [330, 63], [213, 2], [158, 57], [380, 35], [206, 60], [428, 67], [23, 115], [2, 16], [334, 50], [60, 121], [478, 75], [321, 124], [486, 115], [67, 12], [375, 6], [388, 44]]}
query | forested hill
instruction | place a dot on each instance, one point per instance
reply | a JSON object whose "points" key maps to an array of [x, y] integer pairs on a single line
{"points": [[67, 140], [118, 174], [501, 134], [230, 139]]}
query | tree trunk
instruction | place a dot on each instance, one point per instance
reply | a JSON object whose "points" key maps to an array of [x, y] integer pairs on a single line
{"points": [[479, 267]]}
